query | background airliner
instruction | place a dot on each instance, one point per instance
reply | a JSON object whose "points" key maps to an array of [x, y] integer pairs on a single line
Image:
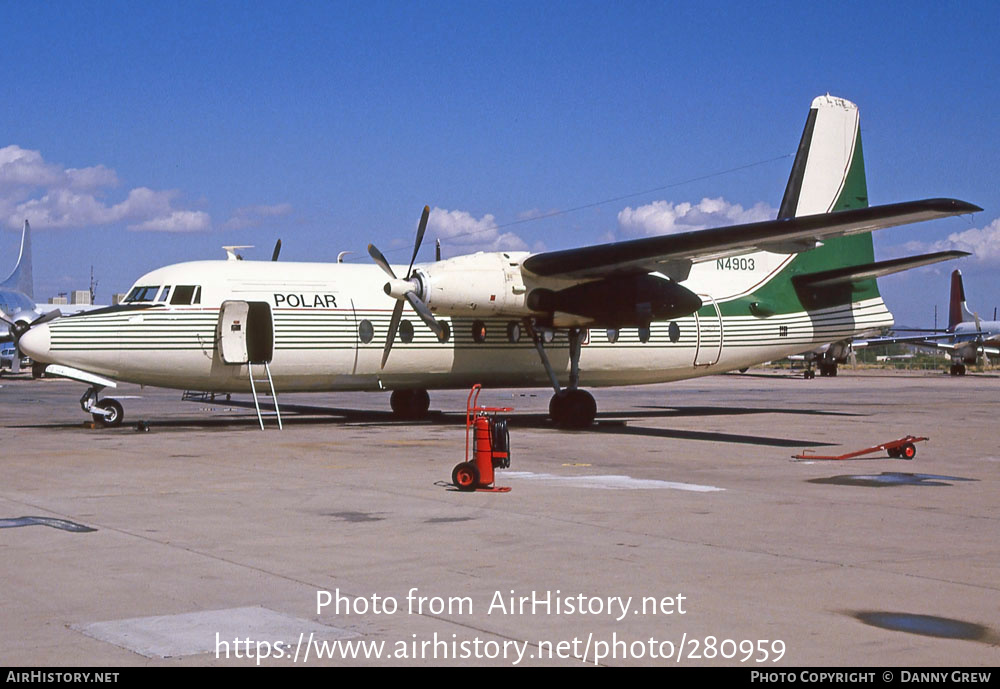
{"points": [[18, 310], [967, 338]]}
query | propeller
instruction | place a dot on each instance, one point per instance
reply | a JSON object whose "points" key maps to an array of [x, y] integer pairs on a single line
{"points": [[277, 250], [980, 341], [405, 289], [18, 328]]}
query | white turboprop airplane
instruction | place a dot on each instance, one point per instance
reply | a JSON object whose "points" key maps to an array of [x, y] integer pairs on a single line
{"points": [[647, 310]]}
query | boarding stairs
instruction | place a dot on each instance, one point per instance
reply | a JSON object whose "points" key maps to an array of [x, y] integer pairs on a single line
{"points": [[270, 386]]}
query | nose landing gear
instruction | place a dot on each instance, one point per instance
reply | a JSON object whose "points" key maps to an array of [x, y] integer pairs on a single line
{"points": [[107, 412]]}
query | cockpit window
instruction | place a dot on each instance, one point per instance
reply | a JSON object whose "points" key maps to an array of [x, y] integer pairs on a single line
{"points": [[141, 294], [164, 294], [186, 294]]}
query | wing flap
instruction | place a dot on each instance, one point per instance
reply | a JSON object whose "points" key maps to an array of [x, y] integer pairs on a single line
{"points": [[654, 253]]}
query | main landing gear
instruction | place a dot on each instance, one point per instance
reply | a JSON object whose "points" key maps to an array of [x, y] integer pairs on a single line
{"points": [[570, 407], [826, 368], [958, 369], [410, 404], [107, 412]]}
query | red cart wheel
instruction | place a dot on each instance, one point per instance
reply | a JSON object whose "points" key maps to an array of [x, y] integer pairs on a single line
{"points": [[909, 451], [465, 476]]}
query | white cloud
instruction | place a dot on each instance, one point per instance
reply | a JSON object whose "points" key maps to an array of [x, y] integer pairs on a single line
{"points": [[92, 178], [461, 229], [666, 217], [51, 196], [254, 216], [983, 243], [177, 221], [21, 168]]}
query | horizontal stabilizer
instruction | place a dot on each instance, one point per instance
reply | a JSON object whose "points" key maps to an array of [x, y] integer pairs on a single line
{"points": [[851, 274]]}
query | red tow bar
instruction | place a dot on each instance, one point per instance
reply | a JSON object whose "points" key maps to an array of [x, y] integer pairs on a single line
{"points": [[904, 448]]}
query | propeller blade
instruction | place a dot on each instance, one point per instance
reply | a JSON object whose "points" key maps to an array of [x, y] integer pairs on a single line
{"points": [[420, 238], [380, 260], [425, 314], [46, 317], [277, 250], [397, 313]]}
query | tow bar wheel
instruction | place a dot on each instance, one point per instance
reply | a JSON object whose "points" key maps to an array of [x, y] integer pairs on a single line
{"points": [[465, 476]]}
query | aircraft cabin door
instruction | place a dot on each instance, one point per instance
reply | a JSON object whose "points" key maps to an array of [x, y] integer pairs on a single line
{"points": [[709, 348], [246, 332]]}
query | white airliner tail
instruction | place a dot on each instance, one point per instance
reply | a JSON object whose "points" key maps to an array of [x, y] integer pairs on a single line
{"points": [[20, 278]]}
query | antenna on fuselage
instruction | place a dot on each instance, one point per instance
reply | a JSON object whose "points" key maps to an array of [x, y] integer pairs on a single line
{"points": [[340, 256], [231, 254], [277, 250]]}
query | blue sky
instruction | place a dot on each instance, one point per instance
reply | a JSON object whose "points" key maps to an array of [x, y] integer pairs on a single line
{"points": [[140, 134]]}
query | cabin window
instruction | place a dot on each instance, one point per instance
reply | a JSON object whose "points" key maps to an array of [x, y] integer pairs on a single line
{"points": [[366, 331], [513, 332], [674, 331], [479, 332], [406, 332], [644, 334], [612, 335], [186, 294], [447, 331], [142, 294]]}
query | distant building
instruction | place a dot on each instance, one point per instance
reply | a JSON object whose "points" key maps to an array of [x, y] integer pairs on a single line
{"points": [[118, 298], [61, 300], [80, 296]]}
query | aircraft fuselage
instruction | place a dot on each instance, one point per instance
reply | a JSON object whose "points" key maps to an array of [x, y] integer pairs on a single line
{"points": [[329, 324]]}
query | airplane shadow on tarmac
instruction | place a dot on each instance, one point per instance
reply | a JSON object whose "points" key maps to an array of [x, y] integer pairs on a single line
{"points": [[611, 422]]}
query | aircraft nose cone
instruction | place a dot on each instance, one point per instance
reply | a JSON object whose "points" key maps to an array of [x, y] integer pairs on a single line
{"points": [[35, 343]]}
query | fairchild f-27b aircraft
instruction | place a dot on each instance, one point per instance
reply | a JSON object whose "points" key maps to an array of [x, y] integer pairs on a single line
{"points": [[647, 310]]}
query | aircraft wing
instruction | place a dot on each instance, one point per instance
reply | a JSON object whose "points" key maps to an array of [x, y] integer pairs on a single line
{"points": [[787, 235], [928, 342]]}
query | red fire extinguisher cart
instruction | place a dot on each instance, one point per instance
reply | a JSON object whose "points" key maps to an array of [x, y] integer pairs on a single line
{"points": [[487, 438]]}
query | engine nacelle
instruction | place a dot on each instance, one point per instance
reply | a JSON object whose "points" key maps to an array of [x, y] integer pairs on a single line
{"points": [[619, 302], [482, 284], [491, 284]]}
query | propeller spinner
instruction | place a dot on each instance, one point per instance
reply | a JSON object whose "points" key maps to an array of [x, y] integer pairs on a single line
{"points": [[405, 289], [18, 328]]}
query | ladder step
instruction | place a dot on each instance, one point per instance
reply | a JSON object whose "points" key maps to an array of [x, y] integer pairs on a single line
{"points": [[273, 394]]}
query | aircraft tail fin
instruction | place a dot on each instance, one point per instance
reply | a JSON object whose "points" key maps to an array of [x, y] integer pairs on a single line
{"points": [[958, 311], [828, 175], [20, 278], [829, 170]]}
